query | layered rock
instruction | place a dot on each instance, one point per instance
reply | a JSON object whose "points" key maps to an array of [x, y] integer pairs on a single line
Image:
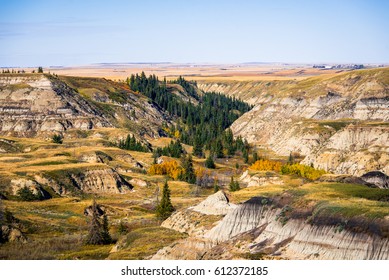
{"points": [[295, 238], [216, 204], [339, 123], [376, 178], [43, 104], [260, 180], [101, 181], [30, 104], [260, 227]]}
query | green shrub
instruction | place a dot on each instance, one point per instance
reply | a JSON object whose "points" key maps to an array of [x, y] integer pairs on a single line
{"points": [[57, 138], [26, 194]]}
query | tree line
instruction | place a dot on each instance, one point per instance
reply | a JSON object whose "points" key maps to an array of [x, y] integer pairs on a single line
{"points": [[202, 126]]}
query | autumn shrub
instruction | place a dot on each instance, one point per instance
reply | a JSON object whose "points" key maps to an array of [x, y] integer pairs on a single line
{"points": [[302, 170], [298, 169], [169, 168], [266, 165]]}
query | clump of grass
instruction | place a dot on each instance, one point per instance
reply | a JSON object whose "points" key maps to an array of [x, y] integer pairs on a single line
{"points": [[40, 249], [143, 242]]}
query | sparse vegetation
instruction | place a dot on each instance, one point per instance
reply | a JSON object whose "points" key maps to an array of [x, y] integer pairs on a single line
{"points": [[25, 194]]}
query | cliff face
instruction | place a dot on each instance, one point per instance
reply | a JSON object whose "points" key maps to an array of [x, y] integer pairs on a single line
{"points": [[295, 238], [339, 123], [259, 227], [34, 104], [31, 104]]}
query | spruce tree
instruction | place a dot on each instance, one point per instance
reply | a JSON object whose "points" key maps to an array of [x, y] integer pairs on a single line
{"points": [[165, 207], [217, 149], [209, 163], [255, 157], [98, 231], [234, 185], [189, 173], [290, 159], [198, 148], [245, 156]]}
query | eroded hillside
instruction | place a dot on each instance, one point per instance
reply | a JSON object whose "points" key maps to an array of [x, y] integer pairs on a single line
{"points": [[340, 123], [42, 104]]}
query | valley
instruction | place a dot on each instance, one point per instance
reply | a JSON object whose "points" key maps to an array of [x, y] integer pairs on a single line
{"points": [[301, 159]]}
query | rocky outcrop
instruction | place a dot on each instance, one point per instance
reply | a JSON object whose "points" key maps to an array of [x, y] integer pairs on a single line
{"points": [[10, 233], [376, 178], [188, 249], [38, 103], [260, 180], [260, 227], [101, 181], [69, 182], [43, 104], [246, 217], [295, 238], [32, 185], [216, 204], [354, 150], [186, 221]]}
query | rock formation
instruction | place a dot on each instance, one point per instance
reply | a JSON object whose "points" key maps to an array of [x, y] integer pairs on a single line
{"points": [[216, 204], [339, 123]]}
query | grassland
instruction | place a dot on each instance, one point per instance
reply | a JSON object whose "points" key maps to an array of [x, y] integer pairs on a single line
{"points": [[55, 228]]}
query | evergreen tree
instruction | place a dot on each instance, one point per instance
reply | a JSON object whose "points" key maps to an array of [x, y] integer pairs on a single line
{"points": [[290, 159], [40, 69], [245, 156], [165, 207], [105, 231], [98, 231], [189, 174], [229, 142], [255, 157], [234, 185], [217, 149], [198, 148], [209, 163]]}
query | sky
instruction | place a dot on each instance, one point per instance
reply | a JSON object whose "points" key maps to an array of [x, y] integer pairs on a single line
{"points": [[75, 33]]}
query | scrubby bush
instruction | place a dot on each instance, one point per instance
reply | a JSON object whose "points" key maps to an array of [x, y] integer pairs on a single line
{"points": [[26, 194]]}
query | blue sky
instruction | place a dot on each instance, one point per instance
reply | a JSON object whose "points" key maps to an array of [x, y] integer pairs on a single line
{"points": [[78, 32]]}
